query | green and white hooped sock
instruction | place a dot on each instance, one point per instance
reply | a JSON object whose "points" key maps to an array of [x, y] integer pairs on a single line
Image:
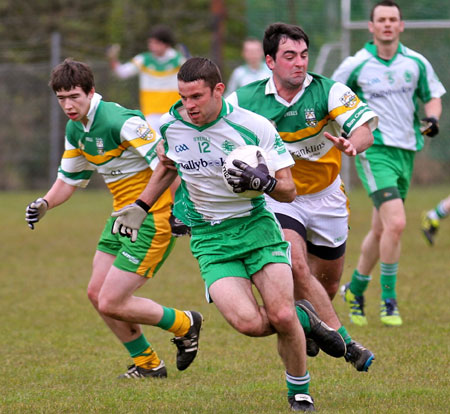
{"points": [[297, 385], [440, 210]]}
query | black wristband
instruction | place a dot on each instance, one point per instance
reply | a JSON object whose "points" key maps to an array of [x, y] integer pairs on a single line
{"points": [[271, 186], [142, 204], [46, 202]]}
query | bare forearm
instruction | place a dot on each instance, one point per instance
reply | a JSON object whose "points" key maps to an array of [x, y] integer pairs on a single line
{"points": [[59, 193], [433, 108], [285, 190], [361, 138], [160, 181]]}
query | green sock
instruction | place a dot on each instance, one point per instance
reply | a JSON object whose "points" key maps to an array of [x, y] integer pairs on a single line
{"points": [[167, 319], [345, 335], [388, 280], [136, 347], [359, 283], [297, 385], [304, 319]]}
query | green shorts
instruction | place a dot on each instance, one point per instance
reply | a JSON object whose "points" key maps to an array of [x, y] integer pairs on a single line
{"points": [[148, 253], [239, 247], [385, 172]]}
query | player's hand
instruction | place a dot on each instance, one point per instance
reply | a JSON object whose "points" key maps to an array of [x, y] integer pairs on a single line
{"points": [[178, 227], [35, 211], [129, 219], [112, 53], [249, 178], [342, 144], [430, 126], [163, 158]]}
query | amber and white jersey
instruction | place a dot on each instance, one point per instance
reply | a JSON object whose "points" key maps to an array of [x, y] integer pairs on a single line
{"points": [[392, 89], [322, 105], [157, 79], [199, 154], [119, 144]]}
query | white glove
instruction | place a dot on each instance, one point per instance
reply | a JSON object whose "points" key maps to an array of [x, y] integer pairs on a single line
{"points": [[35, 211], [129, 219]]}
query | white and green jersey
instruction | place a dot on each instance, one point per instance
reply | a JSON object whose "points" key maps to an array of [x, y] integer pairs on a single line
{"points": [[118, 143], [391, 88], [322, 105], [244, 74], [199, 154]]}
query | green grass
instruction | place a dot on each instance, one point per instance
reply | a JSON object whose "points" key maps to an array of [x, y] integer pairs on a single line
{"points": [[58, 357]]}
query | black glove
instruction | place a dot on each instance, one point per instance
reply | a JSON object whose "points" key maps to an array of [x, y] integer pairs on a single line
{"points": [[178, 227], [430, 126], [35, 211], [249, 178]]}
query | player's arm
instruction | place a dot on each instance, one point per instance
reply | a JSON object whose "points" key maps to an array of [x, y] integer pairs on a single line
{"points": [[360, 139], [433, 111], [285, 190], [130, 218], [58, 194]]}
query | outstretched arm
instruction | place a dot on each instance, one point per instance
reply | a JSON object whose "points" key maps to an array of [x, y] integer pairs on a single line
{"points": [[359, 141], [58, 194]]}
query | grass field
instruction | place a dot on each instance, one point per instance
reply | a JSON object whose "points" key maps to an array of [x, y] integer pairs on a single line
{"points": [[58, 357]]}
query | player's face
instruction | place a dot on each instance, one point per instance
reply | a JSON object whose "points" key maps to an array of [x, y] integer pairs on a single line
{"points": [[75, 103], [387, 25], [202, 104], [291, 63], [252, 53], [157, 47]]}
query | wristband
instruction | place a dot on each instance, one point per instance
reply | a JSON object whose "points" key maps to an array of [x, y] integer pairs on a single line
{"points": [[142, 205], [271, 185]]}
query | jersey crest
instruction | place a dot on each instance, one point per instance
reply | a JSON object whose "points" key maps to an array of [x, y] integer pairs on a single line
{"points": [[310, 117]]}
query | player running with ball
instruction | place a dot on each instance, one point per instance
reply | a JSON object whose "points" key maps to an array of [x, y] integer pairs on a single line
{"points": [[236, 240]]}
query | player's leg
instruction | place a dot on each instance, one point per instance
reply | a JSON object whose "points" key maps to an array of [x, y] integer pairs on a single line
{"points": [[306, 286], [118, 301], [278, 315], [393, 218], [385, 173], [431, 219], [133, 265], [146, 360], [125, 331], [248, 318], [327, 270]]}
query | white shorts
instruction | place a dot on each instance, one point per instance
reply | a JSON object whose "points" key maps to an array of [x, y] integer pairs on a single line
{"points": [[324, 215]]}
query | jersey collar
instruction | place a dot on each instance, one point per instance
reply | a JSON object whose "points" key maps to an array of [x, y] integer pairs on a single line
{"points": [[95, 101], [372, 49], [271, 89]]}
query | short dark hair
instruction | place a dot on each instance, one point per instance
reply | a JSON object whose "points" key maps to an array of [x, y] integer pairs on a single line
{"points": [[200, 68], [277, 31], [162, 33], [70, 74], [387, 3]]}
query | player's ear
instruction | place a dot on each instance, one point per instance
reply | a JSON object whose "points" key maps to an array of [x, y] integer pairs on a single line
{"points": [[219, 88], [91, 93], [270, 62]]}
